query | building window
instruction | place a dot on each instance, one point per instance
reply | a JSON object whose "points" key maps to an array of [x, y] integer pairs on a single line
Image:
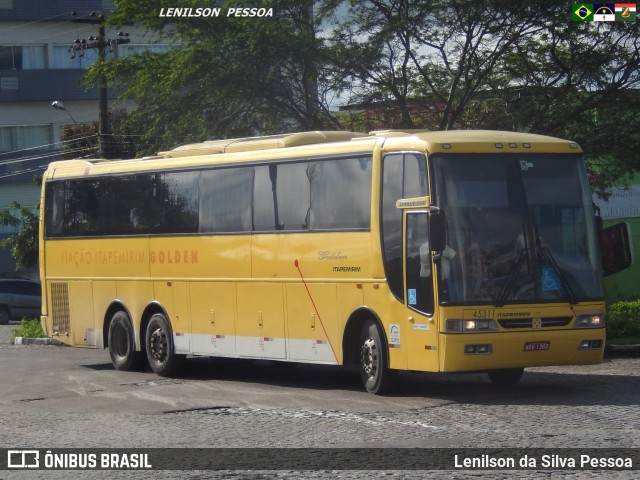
{"points": [[26, 57], [6, 4], [62, 58], [131, 49], [24, 136], [8, 83]]}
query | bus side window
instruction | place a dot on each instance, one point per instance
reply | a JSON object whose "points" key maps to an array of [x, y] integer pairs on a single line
{"points": [[225, 200], [415, 175], [404, 175], [281, 197], [84, 207], [54, 225], [138, 218], [418, 264], [340, 194]]}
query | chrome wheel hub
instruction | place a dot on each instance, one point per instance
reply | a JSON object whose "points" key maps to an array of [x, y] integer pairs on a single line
{"points": [[158, 345], [369, 357]]}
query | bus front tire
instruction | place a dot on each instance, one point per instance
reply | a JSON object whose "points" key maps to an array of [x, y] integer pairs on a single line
{"points": [[159, 346], [122, 344], [374, 371], [506, 376]]}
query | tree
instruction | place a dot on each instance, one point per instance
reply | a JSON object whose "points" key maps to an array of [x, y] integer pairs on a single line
{"points": [[225, 76], [24, 244], [437, 64], [582, 82], [81, 139], [444, 52], [495, 64]]}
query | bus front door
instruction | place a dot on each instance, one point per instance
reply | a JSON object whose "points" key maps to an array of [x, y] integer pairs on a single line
{"points": [[419, 293]]}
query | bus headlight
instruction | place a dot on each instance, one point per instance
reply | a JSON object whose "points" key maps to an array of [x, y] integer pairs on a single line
{"points": [[589, 321], [475, 325], [590, 345], [485, 349]]}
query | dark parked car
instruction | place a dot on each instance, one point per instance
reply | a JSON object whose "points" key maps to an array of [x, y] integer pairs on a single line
{"points": [[19, 298]]}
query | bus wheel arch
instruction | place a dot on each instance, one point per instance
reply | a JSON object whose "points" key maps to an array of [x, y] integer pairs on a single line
{"points": [[115, 307], [351, 335], [365, 344]]}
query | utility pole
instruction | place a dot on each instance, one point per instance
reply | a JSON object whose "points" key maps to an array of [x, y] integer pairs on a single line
{"points": [[102, 43]]}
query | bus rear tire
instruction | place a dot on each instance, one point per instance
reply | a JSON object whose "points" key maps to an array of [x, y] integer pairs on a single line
{"points": [[376, 376], [122, 344], [159, 346], [506, 376]]}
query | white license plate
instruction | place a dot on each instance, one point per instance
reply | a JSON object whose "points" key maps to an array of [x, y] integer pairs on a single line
{"points": [[537, 346]]}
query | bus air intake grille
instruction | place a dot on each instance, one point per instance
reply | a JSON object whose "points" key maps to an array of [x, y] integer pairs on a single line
{"points": [[60, 308], [529, 322]]}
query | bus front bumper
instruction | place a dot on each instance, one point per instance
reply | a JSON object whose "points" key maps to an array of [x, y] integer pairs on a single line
{"points": [[497, 350]]}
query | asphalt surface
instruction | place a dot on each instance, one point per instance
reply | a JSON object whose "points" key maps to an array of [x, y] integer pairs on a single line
{"points": [[57, 397]]}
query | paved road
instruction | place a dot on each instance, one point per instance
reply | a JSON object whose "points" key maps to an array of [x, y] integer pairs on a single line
{"points": [[55, 397]]}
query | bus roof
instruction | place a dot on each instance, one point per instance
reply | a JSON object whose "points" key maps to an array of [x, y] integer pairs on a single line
{"points": [[319, 143], [493, 141]]}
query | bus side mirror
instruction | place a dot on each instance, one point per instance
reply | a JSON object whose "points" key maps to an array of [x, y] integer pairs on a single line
{"points": [[437, 231], [598, 216]]}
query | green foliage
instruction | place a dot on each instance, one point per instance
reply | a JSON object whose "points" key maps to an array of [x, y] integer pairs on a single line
{"points": [[30, 328], [435, 64], [81, 140], [493, 64], [623, 319], [24, 244], [224, 76]]}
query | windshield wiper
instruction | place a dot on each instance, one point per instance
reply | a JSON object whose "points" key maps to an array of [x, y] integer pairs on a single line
{"points": [[513, 273]]}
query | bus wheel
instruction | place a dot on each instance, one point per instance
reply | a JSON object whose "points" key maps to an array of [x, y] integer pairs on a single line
{"points": [[376, 375], [122, 344], [507, 376], [159, 346]]}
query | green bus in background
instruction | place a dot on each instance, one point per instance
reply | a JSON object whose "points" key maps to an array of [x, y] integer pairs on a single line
{"points": [[621, 242]]}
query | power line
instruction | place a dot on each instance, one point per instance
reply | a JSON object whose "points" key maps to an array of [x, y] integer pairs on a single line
{"points": [[61, 143], [68, 14], [54, 153], [101, 43], [60, 151], [23, 172], [40, 168], [43, 154], [41, 147]]}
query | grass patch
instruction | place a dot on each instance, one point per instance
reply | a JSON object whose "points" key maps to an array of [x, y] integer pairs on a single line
{"points": [[28, 328], [624, 341], [623, 320]]}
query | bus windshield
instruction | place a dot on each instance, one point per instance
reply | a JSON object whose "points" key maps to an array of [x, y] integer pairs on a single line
{"points": [[519, 229]]}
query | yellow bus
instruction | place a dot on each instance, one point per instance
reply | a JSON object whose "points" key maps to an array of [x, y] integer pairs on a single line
{"points": [[456, 251]]}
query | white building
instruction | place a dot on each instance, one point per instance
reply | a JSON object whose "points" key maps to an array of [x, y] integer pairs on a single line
{"points": [[36, 69]]}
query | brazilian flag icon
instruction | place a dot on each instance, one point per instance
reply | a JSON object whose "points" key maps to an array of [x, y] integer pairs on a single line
{"points": [[582, 12]]}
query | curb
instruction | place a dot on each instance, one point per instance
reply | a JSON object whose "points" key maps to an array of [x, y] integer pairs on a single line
{"points": [[37, 341], [621, 350]]}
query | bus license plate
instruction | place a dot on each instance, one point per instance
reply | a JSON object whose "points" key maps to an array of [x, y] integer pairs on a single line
{"points": [[536, 346]]}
